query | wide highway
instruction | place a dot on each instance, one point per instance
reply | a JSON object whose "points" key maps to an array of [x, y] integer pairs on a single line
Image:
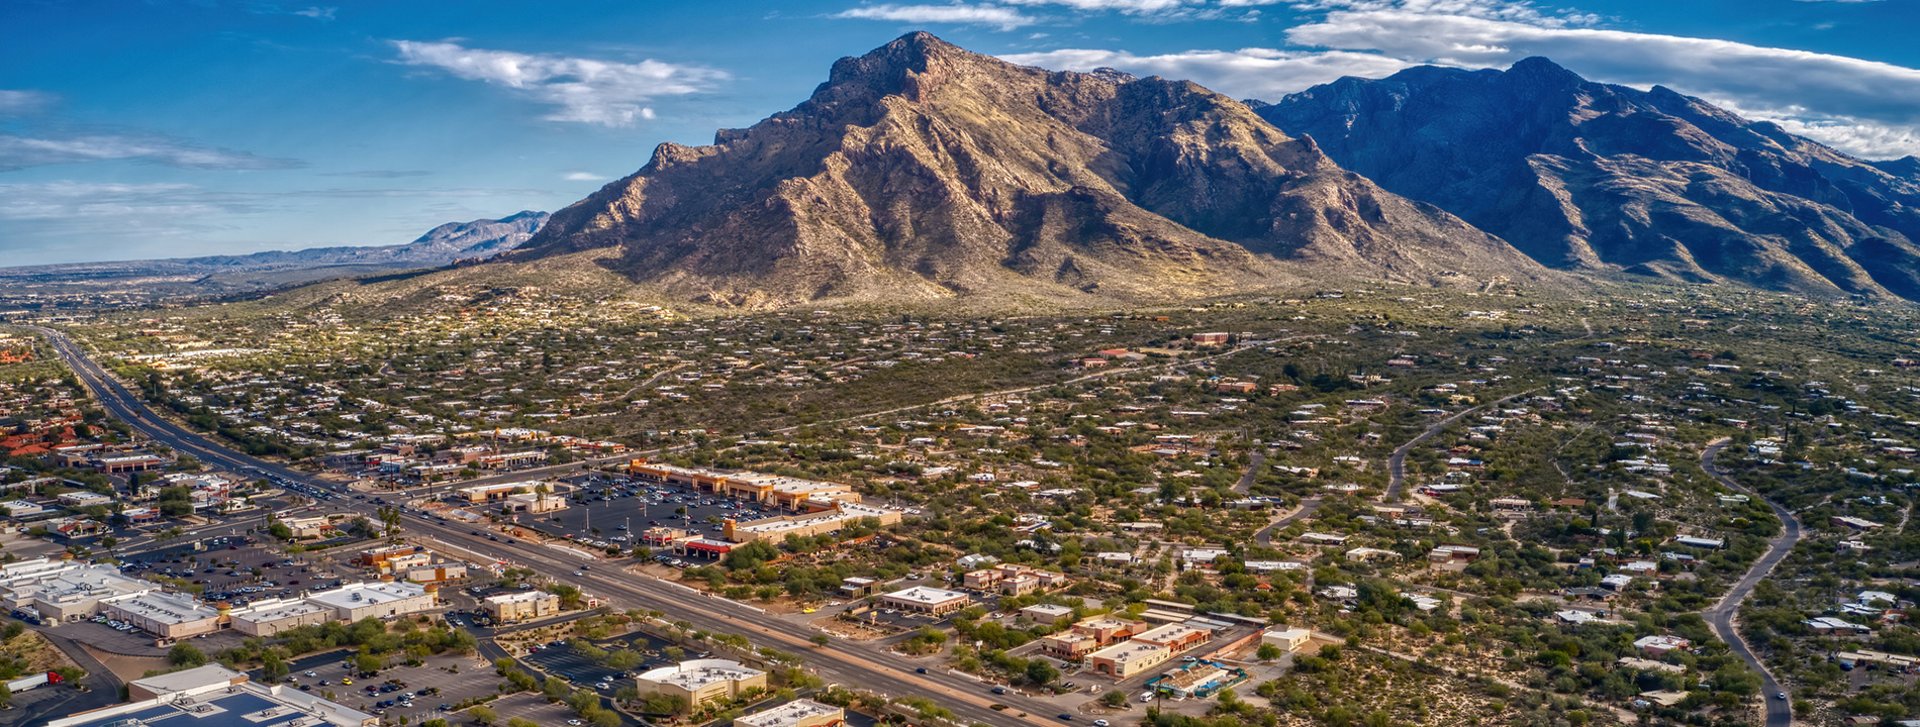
{"points": [[851, 664]]}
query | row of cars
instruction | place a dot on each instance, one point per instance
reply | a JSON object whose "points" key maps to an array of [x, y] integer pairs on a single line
{"points": [[115, 624]]}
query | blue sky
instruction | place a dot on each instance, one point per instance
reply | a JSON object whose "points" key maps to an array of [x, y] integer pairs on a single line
{"points": [[169, 128]]}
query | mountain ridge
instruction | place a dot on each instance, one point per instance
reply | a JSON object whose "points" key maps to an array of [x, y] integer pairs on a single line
{"points": [[1589, 176], [922, 171], [441, 245]]}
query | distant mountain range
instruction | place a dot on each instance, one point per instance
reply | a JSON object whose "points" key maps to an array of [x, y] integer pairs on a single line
{"points": [[223, 274], [1591, 176], [923, 172]]}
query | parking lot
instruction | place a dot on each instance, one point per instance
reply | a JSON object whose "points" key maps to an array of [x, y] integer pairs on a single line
{"points": [[607, 511], [232, 569], [559, 659], [416, 692], [532, 707]]}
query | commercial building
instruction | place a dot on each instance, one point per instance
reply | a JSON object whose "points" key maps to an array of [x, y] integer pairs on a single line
{"points": [[1178, 638], [215, 696], [797, 713], [930, 601], [275, 615], [788, 492], [520, 606], [356, 601], [703, 681], [303, 528], [165, 615], [1068, 645], [837, 515], [1047, 613], [1127, 658], [63, 590], [1289, 639], [1107, 630]]}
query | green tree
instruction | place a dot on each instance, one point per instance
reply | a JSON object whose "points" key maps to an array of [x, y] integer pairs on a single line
{"points": [[1041, 673], [185, 654], [482, 714]]}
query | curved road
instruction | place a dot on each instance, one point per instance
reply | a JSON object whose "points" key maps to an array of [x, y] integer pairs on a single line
{"points": [[1721, 615], [1397, 462], [852, 664]]}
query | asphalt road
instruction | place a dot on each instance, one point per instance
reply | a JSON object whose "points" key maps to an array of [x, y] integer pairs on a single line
{"points": [[1265, 536], [1721, 616], [1397, 462], [851, 664]]}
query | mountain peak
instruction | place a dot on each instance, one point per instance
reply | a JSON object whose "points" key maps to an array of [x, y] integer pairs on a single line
{"points": [[1543, 70], [920, 171]]}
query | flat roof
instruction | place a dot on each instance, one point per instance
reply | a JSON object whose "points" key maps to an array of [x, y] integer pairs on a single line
{"points": [[787, 714], [519, 597], [368, 593], [1048, 608], [1126, 651], [927, 594], [276, 609], [696, 673], [187, 679], [204, 697], [167, 608]]}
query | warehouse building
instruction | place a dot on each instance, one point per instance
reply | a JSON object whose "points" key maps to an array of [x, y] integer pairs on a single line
{"points": [[275, 615], [356, 601], [169, 616]]}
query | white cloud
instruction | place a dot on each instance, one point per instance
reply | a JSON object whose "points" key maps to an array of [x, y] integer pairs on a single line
{"points": [[317, 12], [958, 13], [1515, 11], [1262, 73], [19, 152], [582, 177], [87, 200], [13, 102], [584, 90], [1131, 7], [1861, 106]]}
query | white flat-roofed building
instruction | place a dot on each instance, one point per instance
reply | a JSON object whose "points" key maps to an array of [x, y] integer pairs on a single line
{"points": [[274, 615], [797, 713], [927, 600], [65, 591], [1290, 639], [703, 681], [356, 601], [1047, 613], [218, 697], [165, 615], [521, 605]]}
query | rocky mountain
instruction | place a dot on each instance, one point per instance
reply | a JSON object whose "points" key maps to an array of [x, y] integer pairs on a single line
{"points": [[1907, 166], [229, 274], [1588, 175], [921, 171], [465, 240]]}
